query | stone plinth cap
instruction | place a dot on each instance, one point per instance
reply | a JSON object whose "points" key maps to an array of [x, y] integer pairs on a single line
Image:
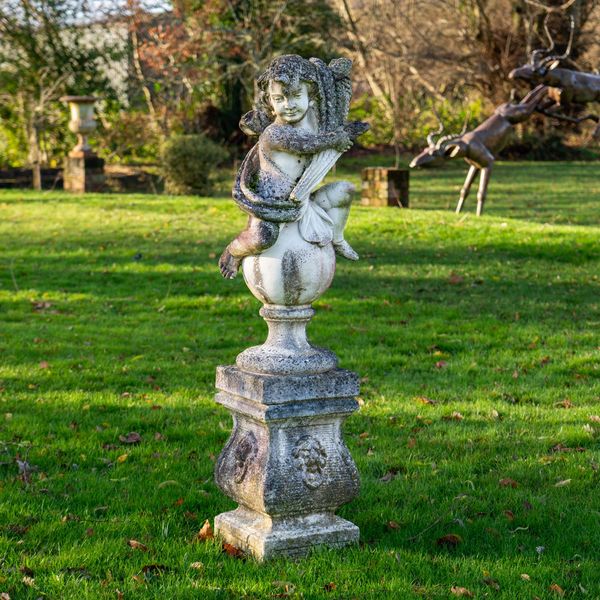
{"points": [[282, 389], [79, 99]]}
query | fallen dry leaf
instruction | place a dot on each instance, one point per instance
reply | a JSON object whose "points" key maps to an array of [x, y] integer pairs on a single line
{"points": [[44, 364], [508, 482], [525, 577], [4, 596], [455, 416], [455, 278], [70, 517], [28, 581], [425, 400], [441, 364], [562, 483], [389, 476], [329, 587], [154, 569], [42, 305], [363, 435], [594, 418], [197, 565], [509, 515], [557, 589], [206, 533], [133, 437], [563, 448], [566, 403], [137, 545], [232, 551], [493, 583], [122, 458], [451, 540], [120, 595], [462, 591], [393, 525]]}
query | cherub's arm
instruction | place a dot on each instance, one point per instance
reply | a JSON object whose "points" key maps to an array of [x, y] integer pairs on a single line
{"points": [[291, 139]]}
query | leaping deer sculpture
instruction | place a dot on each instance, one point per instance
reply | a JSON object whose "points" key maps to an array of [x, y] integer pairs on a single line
{"points": [[567, 87], [480, 147]]}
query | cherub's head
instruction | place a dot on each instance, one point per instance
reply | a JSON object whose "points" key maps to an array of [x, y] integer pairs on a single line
{"points": [[288, 88]]}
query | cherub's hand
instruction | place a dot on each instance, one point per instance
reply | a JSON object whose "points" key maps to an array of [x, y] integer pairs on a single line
{"points": [[355, 128], [345, 142]]}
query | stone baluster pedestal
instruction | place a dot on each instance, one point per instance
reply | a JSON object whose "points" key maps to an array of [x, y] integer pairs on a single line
{"points": [[286, 463]]}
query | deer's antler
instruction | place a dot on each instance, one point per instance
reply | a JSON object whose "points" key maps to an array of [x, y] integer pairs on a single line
{"points": [[536, 55], [565, 54], [430, 140]]}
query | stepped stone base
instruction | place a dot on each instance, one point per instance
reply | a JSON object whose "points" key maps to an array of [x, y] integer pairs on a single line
{"points": [[266, 537]]}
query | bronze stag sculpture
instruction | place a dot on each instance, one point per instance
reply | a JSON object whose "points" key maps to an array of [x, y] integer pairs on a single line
{"points": [[480, 147], [568, 88]]}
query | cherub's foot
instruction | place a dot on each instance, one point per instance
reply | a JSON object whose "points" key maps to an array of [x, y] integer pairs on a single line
{"points": [[344, 249], [229, 264]]}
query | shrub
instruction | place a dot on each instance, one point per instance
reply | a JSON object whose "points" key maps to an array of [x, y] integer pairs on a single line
{"points": [[189, 164], [550, 147]]}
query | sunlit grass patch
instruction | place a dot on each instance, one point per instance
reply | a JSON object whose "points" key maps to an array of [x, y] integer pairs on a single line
{"points": [[479, 354]]}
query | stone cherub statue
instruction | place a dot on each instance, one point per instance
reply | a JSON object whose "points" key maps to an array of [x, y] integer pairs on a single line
{"points": [[286, 463], [300, 120]]}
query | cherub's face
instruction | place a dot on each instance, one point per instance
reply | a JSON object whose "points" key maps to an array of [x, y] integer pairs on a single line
{"points": [[290, 104]]}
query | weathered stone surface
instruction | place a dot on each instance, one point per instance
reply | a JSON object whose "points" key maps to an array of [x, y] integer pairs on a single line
{"points": [[266, 537], [286, 458], [287, 350], [272, 389], [84, 174]]}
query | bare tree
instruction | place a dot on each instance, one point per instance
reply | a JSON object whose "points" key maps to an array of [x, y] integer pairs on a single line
{"points": [[410, 53]]}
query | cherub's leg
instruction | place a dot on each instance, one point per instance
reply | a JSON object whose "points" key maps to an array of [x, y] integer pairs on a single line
{"points": [[257, 237], [336, 199]]}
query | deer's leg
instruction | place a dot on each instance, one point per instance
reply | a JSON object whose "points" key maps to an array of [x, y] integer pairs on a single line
{"points": [[466, 188], [483, 185]]}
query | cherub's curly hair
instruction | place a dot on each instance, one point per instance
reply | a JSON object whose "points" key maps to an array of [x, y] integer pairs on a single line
{"points": [[329, 88], [289, 70]]}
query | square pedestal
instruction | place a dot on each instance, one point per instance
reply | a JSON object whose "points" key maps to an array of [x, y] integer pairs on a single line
{"points": [[286, 463], [384, 187], [84, 173]]}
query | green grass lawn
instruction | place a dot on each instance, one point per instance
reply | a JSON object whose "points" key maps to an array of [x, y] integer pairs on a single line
{"points": [[478, 345]]}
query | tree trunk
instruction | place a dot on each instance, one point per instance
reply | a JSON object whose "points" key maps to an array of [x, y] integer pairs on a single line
{"points": [[34, 154]]}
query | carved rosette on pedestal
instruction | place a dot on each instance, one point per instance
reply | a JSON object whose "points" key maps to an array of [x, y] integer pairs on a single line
{"points": [[286, 462]]}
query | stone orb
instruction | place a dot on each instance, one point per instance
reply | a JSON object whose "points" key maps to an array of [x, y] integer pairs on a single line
{"points": [[292, 272]]}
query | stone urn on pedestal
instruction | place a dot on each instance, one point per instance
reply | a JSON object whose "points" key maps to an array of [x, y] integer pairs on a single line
{"points": [[286, 463], [84, 170]]}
